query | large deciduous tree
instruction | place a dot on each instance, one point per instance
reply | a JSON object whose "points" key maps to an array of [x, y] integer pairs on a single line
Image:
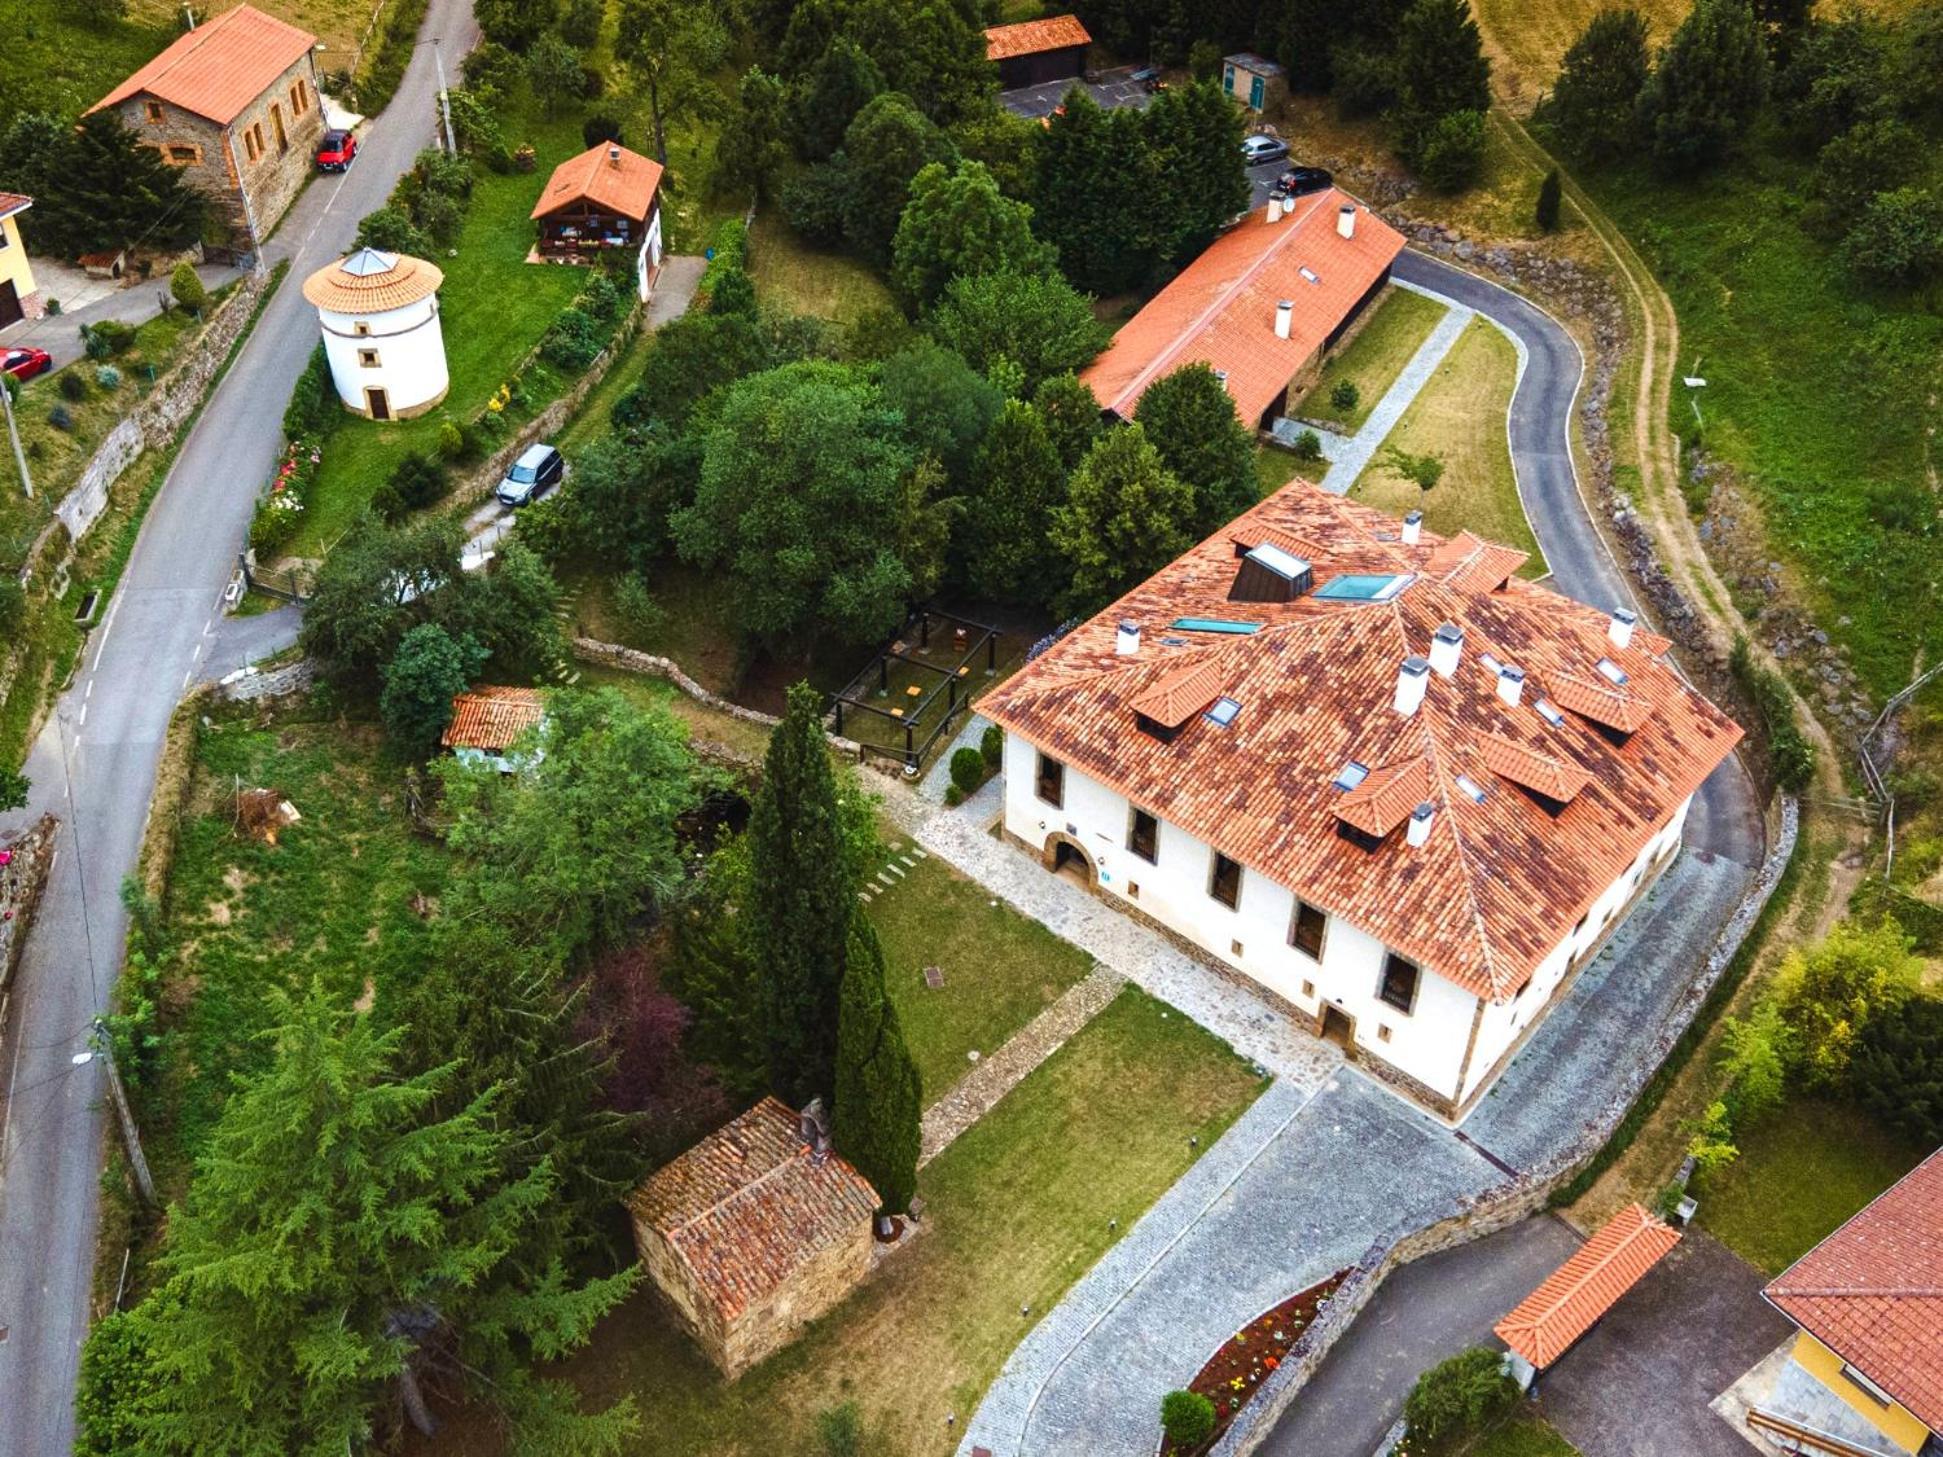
{"points": [[1037, 322], [1126, 516], [429, 668], [1595, 100], [1190, 418], [671, 46], [888, 143], [376, 586], [1709, 84], [515, 24], [878, 1098], [957, 224]]}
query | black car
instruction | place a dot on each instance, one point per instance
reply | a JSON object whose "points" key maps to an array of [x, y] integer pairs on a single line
{"points": [[1298, 180]]}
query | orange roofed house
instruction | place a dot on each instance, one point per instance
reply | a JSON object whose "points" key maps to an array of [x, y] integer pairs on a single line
{"points": [[753, 1233], [234, 104], [1369, 770], [607, 199], [1263, 306], [1034, 52], [1865, 1375], [487, 722]]}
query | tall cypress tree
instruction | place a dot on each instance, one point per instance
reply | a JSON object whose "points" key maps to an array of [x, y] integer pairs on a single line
{"points": [[879, 1101], [1017, 480], [800, 917], [1441, 68]]}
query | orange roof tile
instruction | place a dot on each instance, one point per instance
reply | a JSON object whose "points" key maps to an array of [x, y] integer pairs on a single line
{"points": [[1220, 309], [1536, 771], [747, 1207], [1601, 702], [1872, 1292], [1180, 695], [1385, 798], [1586, 1286], [1028, 37], [369, 282], [625, 185], [1503, 879], [493, 718], [1472, 564], [13, 202], [220, 67]]}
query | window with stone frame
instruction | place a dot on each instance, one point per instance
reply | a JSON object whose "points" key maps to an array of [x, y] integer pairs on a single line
{"points": [[1399, 985], [1306, 929], [153, 110], [1143, 837], [182, 154], [1051, 781], [367, 358], [1224, 883]]}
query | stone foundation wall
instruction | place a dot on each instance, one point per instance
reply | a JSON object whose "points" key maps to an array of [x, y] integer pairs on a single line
{"points": [[29, 857]]}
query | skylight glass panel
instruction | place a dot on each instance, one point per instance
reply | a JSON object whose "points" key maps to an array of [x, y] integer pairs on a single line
{"points": [[1350, 775], [1284, 564], [1491, 664], [1310, 274], [1215, 624], [1472, 789], [1548, 711], [1611, 671], [1224, 711], [1363, 587]]}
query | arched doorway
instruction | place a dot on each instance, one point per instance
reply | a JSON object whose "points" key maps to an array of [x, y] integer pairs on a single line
{"points": [[1067, 858]]}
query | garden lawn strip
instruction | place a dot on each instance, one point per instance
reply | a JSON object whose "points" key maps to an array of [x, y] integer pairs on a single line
{"points": [[1395, 330]]}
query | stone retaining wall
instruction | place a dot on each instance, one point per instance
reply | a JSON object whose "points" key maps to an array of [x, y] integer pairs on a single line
{"points": [[1523, 1196], [246, 685], [22, 878]]}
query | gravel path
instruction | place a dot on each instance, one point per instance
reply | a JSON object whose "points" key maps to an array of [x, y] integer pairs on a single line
{"points": [[1347, 459]]}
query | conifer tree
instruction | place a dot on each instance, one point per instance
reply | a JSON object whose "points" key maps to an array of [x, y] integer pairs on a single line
{"points": [[1072, 417], [1711, 80], [829, 97], [343, 1248], [1441, 68], [1595, 100], [803, 888], [1190, 418], [1126, 516], [1096, 188], [1017, 480], [879, 1102], [1194, 133]]}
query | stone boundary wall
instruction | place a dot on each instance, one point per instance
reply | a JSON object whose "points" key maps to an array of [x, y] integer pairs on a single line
{"points": [[174, 772], [1523, 1196], [248, 684], [22, 878]]}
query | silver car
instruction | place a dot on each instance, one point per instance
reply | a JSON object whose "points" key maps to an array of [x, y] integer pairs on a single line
{"points": [[536, 472]]}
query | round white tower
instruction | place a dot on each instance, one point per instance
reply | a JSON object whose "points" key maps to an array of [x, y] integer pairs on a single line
{"points": [[380, 315]]}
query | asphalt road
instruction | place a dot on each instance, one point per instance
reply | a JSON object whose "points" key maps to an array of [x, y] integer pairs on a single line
{"points": [[94, 765]]}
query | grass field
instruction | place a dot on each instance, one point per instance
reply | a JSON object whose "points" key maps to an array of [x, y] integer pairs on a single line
{"points": [[1017, 1209], [1275, 468], [1000, 969], [696, 619], [789, 274], [1802, 1172], [1373, 360], [1460, 416], [1525, 1435]]}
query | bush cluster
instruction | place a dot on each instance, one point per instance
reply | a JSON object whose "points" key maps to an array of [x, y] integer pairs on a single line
{"points": [[1791, 750]]}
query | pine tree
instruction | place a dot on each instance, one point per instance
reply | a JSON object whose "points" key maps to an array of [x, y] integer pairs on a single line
{"points": [[1097, 183], [1595, 101], [1194, 133], [1711, 81], [879, 1103], [830, 96], [1550, 192], [342, 1247], [1190, 418], [1441, 68], [103, 189], [799, 918], [1126, 516], [1017, 480]]}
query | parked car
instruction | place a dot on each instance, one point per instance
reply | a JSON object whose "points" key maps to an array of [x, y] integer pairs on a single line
{"points": [[1298, 180], [1258, 149], [536, 472], [1150, 78], [24, 363], [337, 151]]}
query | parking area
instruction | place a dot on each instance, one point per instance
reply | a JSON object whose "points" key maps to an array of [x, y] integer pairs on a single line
{"points": [[1111, 89]]}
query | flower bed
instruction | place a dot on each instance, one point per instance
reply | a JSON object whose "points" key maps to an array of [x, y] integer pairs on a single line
{"points": [[1234, 1373]]}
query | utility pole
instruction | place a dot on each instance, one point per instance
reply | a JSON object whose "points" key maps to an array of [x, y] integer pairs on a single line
{"points": [[445, 105], [13, 434], [131, 1136]]}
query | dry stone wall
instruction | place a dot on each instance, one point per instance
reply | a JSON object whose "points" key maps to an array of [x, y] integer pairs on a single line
{"points": [[28, 859]]}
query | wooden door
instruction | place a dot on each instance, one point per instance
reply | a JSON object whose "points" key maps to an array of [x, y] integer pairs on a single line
{"points": [[380, 405], [10, 310]]}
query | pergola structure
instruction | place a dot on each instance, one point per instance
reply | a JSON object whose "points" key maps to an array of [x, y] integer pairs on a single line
{"points": [[906, 679]]}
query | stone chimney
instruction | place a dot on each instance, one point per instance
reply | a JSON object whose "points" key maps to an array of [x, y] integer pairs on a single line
{"points": [[1346, 220], [1413, 677], [1620, 629], [1413, 528], [1446, 646], [1126, 642], [1511, 684], [1284, 317], [1421, 819]]}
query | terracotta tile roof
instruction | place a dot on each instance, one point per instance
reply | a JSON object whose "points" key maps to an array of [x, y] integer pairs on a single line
{"points": [[1535, 771], [626, 186], [220, 67], [1384, 800], [1176, 698], [13, 202], [1872, 1292], [1028, 37], [493, 718], [1220, 309], [746, 1207], [1502, 880], [369, 282], [1586, 1286], [1472, 564], [1600, 701]]}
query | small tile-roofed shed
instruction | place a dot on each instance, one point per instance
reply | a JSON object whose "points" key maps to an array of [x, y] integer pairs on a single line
{"points": [[486, 722], [1585, 1287], [1033, 52], [750, 1235]]}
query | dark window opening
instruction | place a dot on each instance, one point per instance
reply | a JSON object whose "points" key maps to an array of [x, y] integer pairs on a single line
{"points": [[1052, 782], [1225, 884], [1399, 988], [1305, 934], [1359, 838], [1153, 728], [1144, 839]]}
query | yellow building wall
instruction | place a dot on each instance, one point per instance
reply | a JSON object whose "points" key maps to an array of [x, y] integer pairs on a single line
{"points": [[13, 260], [1893, 1421]]}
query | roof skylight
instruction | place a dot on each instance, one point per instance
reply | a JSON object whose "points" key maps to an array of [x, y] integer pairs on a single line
{"points": [[1491, 664], [1283, 563], [1215, 624], [1612, 672], [1363, 587], [1472, 789], [1548, 711], [1309, 274], [1350, 775], [1224, 711]]}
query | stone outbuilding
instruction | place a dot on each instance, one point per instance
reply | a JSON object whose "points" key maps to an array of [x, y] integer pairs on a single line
{"points": [[487, 722], [753, 1233], [234, 105], [380, 317], [606, 200], [1034, 52]]}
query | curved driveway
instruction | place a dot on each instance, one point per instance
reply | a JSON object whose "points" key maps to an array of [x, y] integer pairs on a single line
{"points": [[94, 766]]}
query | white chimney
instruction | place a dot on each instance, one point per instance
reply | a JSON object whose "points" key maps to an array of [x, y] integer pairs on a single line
{"points": [[1511, 684], [1446, 645], [1221, 378], [1346, 220], [613, 154], [1620, 629], [1412, 678], [1421, 819], [1413, 526], [1284, 317], [1274, 208], [1126, 642]]}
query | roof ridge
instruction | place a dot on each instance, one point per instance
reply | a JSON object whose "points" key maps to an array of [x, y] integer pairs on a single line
{"points": [[1833, 1292]]}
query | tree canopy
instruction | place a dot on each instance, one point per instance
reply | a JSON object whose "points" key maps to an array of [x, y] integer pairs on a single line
{"points": [[1594, 100], [957, 225], [1036, 321], [1125, 517], [1189, 416], [1711, 80], [879, 1102]]}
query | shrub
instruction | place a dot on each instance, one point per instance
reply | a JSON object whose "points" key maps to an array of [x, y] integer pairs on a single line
{"points": [[390, 230], [1792, 752], [840, 1430], [452, 440], [107, 338], [580, 24], [59, 418], [314, 407], [108, 377], [186, 287], [814, 201], [1187, 1417], [1897, 1069], [954, 796], [600, 128], [418, 480], [571, 340], [1453, 153], [603, 298], [732, 291], [1345, 395], [1898, 240], [992, 747], [1831, 992], [1459, 1396], [72, 384], [967, 769], [1308, 447], [642, 615], [1550, 194], [491, 67], [275, 522]]}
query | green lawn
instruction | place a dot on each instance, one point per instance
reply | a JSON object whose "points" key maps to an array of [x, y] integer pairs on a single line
{"points": [[790, 274], [1374, 358], [1000, 968], [1525, 1435], [1802, 1172], [1460, 416], [1275, 468], [1820, 393], [696, 628], [1018, 1208]]}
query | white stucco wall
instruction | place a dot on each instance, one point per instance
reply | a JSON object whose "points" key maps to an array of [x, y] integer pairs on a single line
{"points": [[1427, 1043], [410, 350]]}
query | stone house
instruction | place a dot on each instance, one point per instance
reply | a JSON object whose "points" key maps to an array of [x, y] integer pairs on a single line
{"points": [[1367, 773], [1033, 52], [1263, 306], [234, 104], [753, 1233]]}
